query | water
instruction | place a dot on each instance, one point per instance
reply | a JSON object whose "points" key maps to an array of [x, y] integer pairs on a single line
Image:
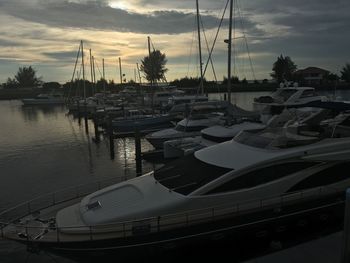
{"points": [[42, 149]]}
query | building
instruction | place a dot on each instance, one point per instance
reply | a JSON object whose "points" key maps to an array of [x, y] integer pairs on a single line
{"points": [[311, 75]]}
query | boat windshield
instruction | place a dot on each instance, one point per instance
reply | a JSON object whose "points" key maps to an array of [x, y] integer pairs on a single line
{"points": [[284, 94], [187, 174], [275, 138]]}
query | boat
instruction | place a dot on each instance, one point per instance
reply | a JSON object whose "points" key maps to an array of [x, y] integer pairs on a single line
{"points": [[161, 98], [184, 99], [89, 105], [208, 137], [188, 127], [285, 96], [200, 115], [259, 178], [217, 134], [45, 99], [137, 120]]}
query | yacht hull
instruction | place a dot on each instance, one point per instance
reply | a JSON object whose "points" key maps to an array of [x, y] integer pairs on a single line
{"points": [[272, 223]]}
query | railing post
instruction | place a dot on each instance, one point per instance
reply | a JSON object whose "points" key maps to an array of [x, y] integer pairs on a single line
{"points": [[53, 199]]}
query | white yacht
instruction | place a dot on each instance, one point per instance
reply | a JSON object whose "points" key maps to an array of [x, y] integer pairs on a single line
{"points": [[188, 127], [200, 115], [217, 134], [208, 137], [45, 99], [283, 97]]}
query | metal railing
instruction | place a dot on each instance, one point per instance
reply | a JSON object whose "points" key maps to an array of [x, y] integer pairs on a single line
{"points": [[10, 218]]}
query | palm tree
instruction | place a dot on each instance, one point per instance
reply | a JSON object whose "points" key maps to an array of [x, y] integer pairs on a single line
{"points": [[153, 66], [345, 73], [26, 77]]}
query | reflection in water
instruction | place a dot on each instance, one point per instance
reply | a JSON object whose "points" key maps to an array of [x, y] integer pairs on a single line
{"points": [[33, 113]]}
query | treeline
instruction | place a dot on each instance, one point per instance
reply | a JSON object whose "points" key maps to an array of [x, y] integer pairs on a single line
{"points": [[284, 69]]}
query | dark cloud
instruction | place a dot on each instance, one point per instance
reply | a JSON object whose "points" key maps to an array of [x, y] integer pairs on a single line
{"points": [[9, 43], [61, 55], [97, 15]]}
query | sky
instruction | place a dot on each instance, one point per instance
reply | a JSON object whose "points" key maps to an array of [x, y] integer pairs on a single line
{"points": [[46, 34]]}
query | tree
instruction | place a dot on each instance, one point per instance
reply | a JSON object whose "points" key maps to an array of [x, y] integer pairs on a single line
{"points": [[234, 80], [153, 66], [26, 77], [283, 69], [51, 85], [10, 84], [345, 73]]}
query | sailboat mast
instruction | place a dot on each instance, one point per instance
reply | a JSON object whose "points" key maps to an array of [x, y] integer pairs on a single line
{"points": [[82, 61], [138, 70], [229, 53], [91, 71], [104, 78], [149, 45], [94, 74], [120, 71], [199, 49]]}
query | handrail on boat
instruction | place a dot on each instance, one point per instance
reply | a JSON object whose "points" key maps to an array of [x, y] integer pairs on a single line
{"points": [[151, 224]]}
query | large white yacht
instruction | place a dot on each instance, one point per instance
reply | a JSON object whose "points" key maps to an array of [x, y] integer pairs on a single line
{"points": [[283, 97], [208, 137], [190, 126], [273, 174]]}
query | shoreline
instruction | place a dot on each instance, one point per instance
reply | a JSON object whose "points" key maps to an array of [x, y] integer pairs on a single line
{"points": [[24, 93]]}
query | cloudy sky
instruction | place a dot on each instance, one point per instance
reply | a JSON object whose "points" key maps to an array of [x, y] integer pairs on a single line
{"points": [[46, 35]]}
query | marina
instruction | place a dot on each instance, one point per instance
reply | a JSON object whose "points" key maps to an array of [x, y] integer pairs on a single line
{"points": [[84, 165], [174, 131]]}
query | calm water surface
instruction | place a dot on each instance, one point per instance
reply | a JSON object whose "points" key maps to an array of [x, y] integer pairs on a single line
{"points": [[42, 149]]}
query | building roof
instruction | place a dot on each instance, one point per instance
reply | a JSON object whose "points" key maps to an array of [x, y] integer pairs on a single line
{"points": [[312, 70]]}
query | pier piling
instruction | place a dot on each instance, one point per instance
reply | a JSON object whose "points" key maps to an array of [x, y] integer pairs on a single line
{"points": [[86, 119], [111, 138], [138, 152], [97, 133]]}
